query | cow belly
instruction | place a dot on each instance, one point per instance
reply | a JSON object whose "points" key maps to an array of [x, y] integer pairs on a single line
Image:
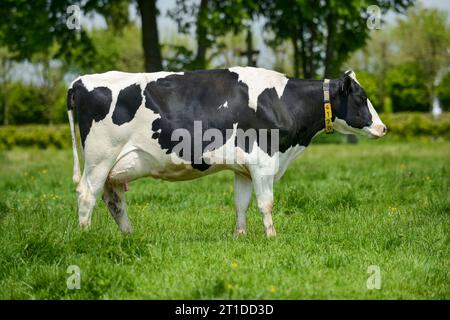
{"points": [[136, 164]]}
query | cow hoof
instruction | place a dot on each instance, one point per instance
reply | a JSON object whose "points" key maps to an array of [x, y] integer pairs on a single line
{"points": [[271, 233], [85, 225], [240, 233], [127, 230]]}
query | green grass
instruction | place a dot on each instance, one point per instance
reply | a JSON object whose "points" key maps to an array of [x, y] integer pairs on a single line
{"points": [[339, 209]]}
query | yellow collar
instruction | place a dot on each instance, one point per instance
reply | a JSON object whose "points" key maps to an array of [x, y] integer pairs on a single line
{"points": [[327, 106]]}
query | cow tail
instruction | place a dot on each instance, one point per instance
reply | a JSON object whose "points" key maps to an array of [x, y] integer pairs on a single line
{"points": [[76, 163]]}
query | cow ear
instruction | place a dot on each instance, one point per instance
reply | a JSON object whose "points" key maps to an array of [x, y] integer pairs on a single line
{"points": [[351, 74], [347, 84]]}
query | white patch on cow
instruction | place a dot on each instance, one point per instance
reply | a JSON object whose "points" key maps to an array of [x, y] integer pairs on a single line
{"points": [[228, 156], [375, 117], [117, 80], [341, 126], [258, 80], [378, 128], [224, 105]]}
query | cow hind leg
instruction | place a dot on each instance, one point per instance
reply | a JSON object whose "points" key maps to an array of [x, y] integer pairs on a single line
{"points": [[114, 198], [90, 186]]}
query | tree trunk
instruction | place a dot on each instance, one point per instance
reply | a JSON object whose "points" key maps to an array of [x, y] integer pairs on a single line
{"points": [[303, 57], [251, 61], [294, 41], [328, 72], [150, 38], [311, 56], [202, 41]]}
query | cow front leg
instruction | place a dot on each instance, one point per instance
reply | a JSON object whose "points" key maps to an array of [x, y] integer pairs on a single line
{"points": [[114, 198], [242, 195], [264, 196]]}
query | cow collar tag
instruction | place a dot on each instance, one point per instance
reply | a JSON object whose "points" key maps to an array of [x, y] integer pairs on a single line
{"points": [[327, 106]]}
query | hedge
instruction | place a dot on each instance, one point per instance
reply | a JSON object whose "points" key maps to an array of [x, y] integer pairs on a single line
{"points": [[409, 125], [405, 126], [38, 136]]}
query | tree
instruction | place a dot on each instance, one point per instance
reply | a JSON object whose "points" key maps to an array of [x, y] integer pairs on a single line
{"points": [[117, 50], [51, 74], [443, 91], [406, 88], [6, 65], [30, 27], [323, 33], [424, 40], [375, 59], [212, 20]]}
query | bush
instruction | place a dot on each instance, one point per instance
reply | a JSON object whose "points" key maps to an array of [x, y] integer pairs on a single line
{"points": [[406, 88], [28, 103], [40, 136], [444, 92], [408, 125]]}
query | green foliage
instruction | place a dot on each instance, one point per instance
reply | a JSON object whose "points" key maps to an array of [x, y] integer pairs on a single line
{"points": [[36, 136], [117, 50], [407, 89], [424, 39], [25, 104], [443, 92], [35, 27], [408, 59], [178, 52], [28, 103], [338, 210], [370, 84], [320, 30], [178, 57], [414, 124]]}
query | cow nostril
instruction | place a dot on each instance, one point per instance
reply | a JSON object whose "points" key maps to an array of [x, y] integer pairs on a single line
{"points": [[384, 129]]}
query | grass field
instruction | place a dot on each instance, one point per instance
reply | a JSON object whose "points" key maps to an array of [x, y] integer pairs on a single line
{"points": [[339, 209]]}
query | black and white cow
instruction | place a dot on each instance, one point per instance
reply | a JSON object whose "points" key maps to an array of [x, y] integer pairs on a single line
{"points": [[132, 124]]}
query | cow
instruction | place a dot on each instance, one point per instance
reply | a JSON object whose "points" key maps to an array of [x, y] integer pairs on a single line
{"points": [[131, 125]]}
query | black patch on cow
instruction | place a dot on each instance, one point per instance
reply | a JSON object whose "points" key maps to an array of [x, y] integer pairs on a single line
{"points": [[90, 105], [201, 96], [128, 103], [69, 99]]}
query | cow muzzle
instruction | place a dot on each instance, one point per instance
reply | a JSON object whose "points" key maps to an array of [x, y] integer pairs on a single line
{"points": [[377, 130]]}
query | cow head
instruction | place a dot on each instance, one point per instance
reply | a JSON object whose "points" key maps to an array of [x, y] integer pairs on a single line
{"points": [[355, 113]]}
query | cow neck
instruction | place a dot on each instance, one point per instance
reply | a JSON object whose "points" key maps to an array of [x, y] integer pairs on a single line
{"points": [[308, 107]]}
